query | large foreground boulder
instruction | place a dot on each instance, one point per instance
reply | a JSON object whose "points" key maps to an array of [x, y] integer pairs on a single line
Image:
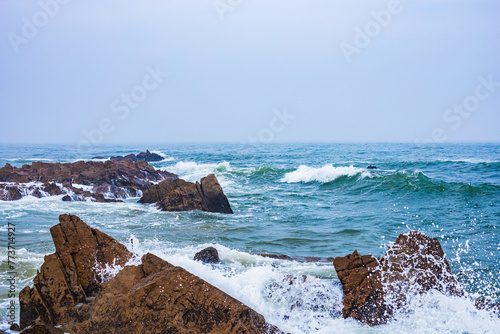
{"points": [[72, 274], [180, 195], [156, 297], [72, 292], [374, 288]]}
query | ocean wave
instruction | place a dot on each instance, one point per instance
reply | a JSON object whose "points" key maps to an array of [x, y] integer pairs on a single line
{"points": [[305, 297], [164, 156], [325, 174]]}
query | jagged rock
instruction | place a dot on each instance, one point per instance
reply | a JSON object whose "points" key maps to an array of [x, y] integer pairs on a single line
{"points": [[41, 327], [375, 288], [153, 297], [52, 189], [371, 167], [144, 156], [15, 328], [10, 192], [120, 178], [180, 195], [72, 273], [156, 297], [207, 255]]}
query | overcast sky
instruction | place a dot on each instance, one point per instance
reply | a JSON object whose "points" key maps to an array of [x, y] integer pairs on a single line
{"points": [[269, 70]]}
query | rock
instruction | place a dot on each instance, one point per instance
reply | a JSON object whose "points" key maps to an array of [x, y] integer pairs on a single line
{"points": [[371, 167], [488, 305], [115, 178], [144, 156], [70, 275], [207, 255], [152, 297], [156, 297], [10, 192], [52, 189], [41, 327], [375, 288], [66, 198], [180, 195], [15, 328]]}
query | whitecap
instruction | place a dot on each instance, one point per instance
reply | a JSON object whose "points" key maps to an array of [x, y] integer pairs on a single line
{"points": [[327, 173]]}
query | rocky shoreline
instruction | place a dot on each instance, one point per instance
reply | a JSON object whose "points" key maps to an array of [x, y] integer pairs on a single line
{"points": [[74, 292], [112, 181]]}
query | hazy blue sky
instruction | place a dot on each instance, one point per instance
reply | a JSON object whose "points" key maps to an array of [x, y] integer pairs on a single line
{"points": [[354, 71]]}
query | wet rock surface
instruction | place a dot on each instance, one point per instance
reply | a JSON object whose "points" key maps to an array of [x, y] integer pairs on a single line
{"points": [[180, 195], [72, 274], [152, 297], [375, 287], [207, 255]]}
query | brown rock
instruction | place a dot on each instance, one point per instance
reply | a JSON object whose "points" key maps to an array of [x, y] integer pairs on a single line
{"points": [[375, 288], [180, 195], [153, 297], [207, 255], [120, 177], [52, 189], [15, 328], [72, 274], [41, 327], [10, 192], [156, 297]]}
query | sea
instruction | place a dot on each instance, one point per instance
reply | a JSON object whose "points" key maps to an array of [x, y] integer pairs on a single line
{"points": [[310, 202]]}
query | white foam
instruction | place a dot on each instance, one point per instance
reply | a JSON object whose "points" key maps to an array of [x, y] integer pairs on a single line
{"points": [[163, 155], [327, 173], [312, 305]]}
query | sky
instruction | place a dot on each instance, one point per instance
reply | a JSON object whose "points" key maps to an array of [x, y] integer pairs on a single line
{"points": [[122, 71]]}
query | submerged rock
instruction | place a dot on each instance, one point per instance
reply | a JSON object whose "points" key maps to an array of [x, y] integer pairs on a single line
{"points": [[374, 288], [180, 195], [152, 297], [371, 167], [207, 255]]}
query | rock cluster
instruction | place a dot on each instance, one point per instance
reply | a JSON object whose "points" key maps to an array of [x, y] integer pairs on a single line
{"points": [[375, 287], [71, 292], [117, 178], [144, 156], [180, 195]]}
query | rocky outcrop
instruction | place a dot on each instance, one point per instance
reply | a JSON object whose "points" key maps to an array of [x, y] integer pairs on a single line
{"points": [[375, 287], [99, 181], [180, 195], [207, 255], [72, 274], [144, 156], [153, 297]]}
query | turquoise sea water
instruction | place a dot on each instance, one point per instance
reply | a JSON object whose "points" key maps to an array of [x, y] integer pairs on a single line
{"points": [[302, 200]]}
